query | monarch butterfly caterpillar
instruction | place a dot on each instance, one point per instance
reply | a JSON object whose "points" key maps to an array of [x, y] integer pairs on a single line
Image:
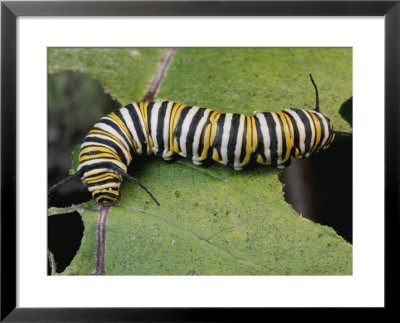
{"points": [[200, 134]]}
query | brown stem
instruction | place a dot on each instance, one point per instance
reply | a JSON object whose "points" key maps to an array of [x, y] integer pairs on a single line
{"points": [[53, 263], [161, 71], [101, 240]]}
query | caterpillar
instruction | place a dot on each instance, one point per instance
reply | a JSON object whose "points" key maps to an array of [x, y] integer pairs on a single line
{"points": [[167, 128]]}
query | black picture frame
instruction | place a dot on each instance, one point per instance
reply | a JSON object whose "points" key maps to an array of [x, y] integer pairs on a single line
{"points": [[10, 10]]}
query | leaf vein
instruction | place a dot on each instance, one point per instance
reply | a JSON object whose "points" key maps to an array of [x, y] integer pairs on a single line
{"points": [[200, 238]]}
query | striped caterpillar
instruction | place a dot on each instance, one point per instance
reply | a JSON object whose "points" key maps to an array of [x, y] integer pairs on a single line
{"points": [[200, 134]]}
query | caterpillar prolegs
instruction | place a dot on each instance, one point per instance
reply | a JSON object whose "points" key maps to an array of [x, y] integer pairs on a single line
{"points": [[167, 128]]}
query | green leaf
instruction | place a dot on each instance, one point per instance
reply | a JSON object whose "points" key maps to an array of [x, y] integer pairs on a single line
{"points": [[214, 220], [125, 73]]}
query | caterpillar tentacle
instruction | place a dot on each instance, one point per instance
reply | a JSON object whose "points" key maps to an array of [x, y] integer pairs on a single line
{"points": [[134, 180], [316, 94], [64, 181]]}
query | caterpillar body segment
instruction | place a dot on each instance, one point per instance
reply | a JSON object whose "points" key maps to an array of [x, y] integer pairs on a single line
{"points": [[167, 128]]}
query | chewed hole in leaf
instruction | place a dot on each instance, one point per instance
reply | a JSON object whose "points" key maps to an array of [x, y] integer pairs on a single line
{"points": [[346, 111], [65, 232], [320, 189]]}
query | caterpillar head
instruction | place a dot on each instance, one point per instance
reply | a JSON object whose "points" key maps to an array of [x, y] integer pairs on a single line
{"points": [[106, 196], [103, 186], [102, 171]]}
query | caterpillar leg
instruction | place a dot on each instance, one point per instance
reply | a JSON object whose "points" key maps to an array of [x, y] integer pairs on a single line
{"points": [[169, 160], [285, 164], [204, 163]]}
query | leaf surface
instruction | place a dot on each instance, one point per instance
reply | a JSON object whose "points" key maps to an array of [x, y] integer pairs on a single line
{"points": [[125, 73]]}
